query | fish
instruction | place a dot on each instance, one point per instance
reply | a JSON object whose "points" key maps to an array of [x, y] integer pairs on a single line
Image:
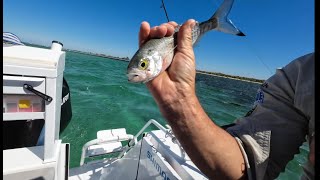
{"points": [[156, 55]]}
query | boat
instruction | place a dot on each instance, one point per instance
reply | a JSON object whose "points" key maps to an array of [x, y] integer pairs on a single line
{"points": [[32, 81]]}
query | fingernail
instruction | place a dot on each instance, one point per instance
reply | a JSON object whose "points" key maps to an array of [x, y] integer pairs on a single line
{"points": [[171, 27], [144, 22], [163, 24], [173, 22], [192, 23]]}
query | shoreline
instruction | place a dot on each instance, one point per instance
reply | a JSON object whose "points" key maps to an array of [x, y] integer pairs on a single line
{"points": [[101, 55], [258, 81], [86, 53], [126, 59]]}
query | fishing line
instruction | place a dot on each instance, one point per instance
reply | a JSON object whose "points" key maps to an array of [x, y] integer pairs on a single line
{"points": [[139, 158], [252, 49], [247, 43], [257, 56], [164, 7], [255, 53]]}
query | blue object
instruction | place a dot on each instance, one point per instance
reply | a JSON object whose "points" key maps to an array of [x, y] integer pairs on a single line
{"points": [[10, 38]]}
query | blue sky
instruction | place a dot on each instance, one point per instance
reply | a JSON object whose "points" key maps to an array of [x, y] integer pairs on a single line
{"points": [[277, 31]]}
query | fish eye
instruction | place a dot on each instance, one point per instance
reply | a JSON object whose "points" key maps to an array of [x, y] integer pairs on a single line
{"points": [[143, 64]]}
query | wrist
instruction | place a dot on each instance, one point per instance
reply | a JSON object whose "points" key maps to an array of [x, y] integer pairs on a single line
{"points": [[165, 96], [180, 107]]}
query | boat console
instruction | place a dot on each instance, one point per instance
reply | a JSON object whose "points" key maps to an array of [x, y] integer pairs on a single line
{"points": [[32, 87]]}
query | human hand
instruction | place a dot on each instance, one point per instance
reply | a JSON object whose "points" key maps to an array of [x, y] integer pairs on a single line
{"points": [[174, 92], [178, 81]]}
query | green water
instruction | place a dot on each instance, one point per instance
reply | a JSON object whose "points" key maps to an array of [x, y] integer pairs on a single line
{"points": [[103, 99]]}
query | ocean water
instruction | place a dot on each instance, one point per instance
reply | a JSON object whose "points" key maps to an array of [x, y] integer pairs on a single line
{"points": [[102, 99]]}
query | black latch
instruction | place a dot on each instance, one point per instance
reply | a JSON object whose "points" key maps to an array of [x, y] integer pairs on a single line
{"points": [[38, 93]]}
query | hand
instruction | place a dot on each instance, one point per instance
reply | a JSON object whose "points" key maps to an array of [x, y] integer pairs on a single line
{"points": [[174, 92], [178, 81]]}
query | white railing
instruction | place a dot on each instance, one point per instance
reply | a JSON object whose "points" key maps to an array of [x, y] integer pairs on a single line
{"points": [[132, 140], [101, 141]]}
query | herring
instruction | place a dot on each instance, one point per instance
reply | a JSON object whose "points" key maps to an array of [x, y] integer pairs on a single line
{"points": [[156, 55]]}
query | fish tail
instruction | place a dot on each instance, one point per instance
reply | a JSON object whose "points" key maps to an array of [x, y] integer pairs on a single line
{"points": [[220, 22]]}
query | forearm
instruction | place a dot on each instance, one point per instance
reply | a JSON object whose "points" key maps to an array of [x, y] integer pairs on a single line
{"points": [[212, 149]]}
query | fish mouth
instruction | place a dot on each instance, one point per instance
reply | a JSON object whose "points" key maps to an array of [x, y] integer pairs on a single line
{"points": [[135, 77]]}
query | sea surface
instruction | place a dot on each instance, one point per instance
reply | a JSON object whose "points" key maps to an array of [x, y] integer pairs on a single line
{"points": [[102, 99]]}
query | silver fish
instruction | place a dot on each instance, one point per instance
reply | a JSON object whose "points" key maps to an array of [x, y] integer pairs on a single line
{"points": [[156, 55]]}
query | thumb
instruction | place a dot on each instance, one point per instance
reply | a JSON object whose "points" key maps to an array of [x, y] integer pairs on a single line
{"points": [[184, 41]]}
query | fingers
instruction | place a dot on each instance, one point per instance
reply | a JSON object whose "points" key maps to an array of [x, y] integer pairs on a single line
{"points": [[165, 29], [171, 27], [172, 23], [185, 38], [158, 31], [146, 33]]}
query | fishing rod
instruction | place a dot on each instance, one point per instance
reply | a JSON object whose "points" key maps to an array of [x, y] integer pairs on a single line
{"points": [[165, 11]]}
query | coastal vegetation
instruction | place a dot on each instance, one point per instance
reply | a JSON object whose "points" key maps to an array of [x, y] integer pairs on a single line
{"points": [[260, 81]]}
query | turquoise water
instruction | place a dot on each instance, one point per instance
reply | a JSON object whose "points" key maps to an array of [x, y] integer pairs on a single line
{"points": [[103, 99]]}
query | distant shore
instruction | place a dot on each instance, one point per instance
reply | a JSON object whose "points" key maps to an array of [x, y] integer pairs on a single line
{"points": [[87, 53], [240, 78], [247, 79], [101, 55]]}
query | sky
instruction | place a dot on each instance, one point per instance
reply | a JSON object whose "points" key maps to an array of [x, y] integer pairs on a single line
{"points": [[276, 31]]}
